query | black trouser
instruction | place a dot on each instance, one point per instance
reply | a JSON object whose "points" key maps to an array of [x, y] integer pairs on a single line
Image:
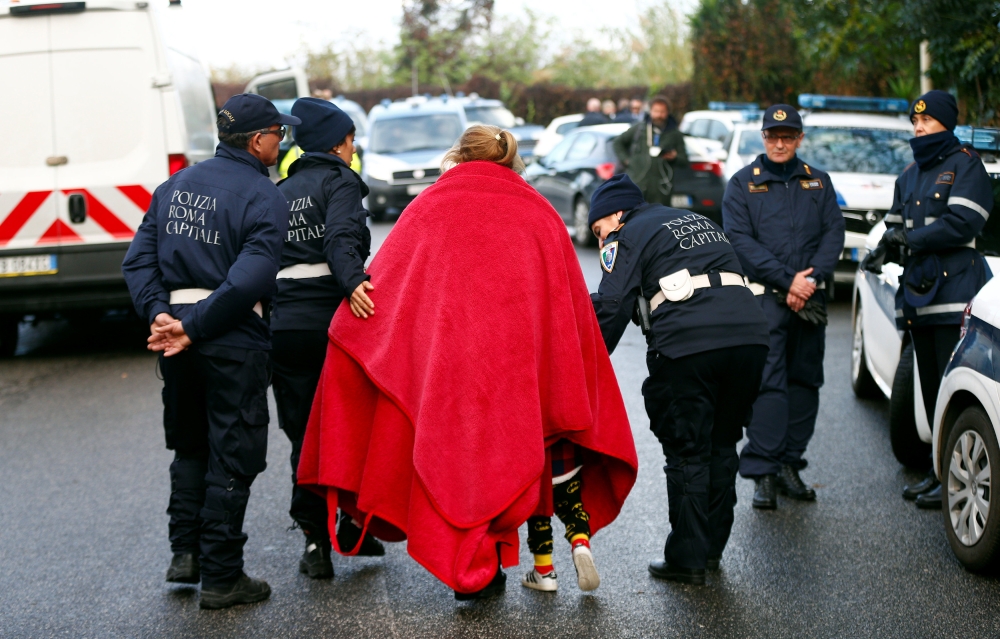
{"points": [[933, 346], [568, 506], [215, 419], [697, 407], [298, 358]]}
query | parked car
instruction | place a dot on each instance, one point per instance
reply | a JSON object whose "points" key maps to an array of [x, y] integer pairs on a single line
{"points": [[568, 175], [555, 132], [105, 102], [719, 121], [882, 359]]}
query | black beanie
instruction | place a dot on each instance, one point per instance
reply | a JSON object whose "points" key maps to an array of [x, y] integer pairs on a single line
{"points": [[617, 194], [938, 104], [323, 124]]}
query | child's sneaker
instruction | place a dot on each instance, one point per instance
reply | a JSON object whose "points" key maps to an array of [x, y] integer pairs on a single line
{"points": [[586, 571], [538, 581]]}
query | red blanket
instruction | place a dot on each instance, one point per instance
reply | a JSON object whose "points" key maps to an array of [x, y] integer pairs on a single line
{"points": [[432, 417]]}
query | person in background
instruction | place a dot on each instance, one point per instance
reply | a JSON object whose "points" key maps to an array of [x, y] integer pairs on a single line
{"points": [[609, 110], [593, 115], [624, 113], [650, 151], [638, 108]]}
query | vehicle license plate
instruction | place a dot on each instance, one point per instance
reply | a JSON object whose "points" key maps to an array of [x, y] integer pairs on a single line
{"points": [[680, 201], [27, 265], [415, 189]]}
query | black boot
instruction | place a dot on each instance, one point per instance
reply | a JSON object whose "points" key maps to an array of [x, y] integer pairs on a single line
{"points": [[931, 500], [244, 591], [925, 485], [792, 486], [347, 539], [316, 560], [662, 570], [184, 569], [765, 495]]}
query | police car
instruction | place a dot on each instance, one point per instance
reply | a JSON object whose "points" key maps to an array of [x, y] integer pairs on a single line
{"points": [[103, 101], [882, 359]]}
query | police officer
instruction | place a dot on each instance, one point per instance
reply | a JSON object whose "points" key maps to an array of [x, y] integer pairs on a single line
{"points": [[783, 220], [201, 269], [323, 263], [706, 346], [940, 205]]}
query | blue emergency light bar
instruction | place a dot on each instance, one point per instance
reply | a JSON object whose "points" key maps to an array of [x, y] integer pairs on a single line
{"points": [[853, 103], [979, 138], [733, 106], [751, 115]]}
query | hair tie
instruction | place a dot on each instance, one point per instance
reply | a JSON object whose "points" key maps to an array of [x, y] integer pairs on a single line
{"points": [[497, 136]]}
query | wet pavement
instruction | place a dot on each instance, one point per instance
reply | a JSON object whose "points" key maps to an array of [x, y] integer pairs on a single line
{"points": [[83, 533]]}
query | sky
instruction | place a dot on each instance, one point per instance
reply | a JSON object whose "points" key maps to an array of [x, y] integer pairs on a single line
{"points": [[278, 30]]}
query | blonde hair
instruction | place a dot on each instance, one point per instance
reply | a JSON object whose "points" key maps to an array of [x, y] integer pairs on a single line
{"points": [[485, 142]]}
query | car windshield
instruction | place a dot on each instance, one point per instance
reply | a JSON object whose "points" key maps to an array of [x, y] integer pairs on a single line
{"points": [[494, 115], [419, 132], [750, 146], [857, 150]]}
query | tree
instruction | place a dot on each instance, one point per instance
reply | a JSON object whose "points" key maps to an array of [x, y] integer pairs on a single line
{"points": [[434, 35], [358, 65]]}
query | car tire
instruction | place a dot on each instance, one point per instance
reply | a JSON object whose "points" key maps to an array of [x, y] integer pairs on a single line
{"points": [[9, 334], [909, 450], [862, 381], [582, 234], [974, 535]]}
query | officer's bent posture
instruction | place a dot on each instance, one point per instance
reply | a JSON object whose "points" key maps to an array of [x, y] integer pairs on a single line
{"points": [[940, 205], [707, 343], [201, 268], [323, 262], [782, 218]]}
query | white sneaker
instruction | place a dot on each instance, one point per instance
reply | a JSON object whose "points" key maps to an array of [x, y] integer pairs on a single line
{"points": [[586, 571], [538, 581]]}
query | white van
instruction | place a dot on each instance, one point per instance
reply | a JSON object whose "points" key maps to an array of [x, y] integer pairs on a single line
{"points": [[102, 102]]}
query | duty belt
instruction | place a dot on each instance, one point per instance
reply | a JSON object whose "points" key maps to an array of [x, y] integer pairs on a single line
{"points": [[702, 281], [195, 295], [304, 271]]}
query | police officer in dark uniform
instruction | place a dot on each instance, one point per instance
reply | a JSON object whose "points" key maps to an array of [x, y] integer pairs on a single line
{"points": [[940, 205], [323, 263], [706, 346], [201, 269], [783, 220]]}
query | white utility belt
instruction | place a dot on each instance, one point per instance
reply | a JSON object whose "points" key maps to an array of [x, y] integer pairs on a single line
{"points": [[681, 285], [303, 271], [195, 295]]}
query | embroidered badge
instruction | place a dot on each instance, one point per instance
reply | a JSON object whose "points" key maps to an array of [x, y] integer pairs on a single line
{"points": [[780, 115], [920, 106], [808, 170], [756, 171], [811, 185], [608, 256], [757, 188], [945, 178]]}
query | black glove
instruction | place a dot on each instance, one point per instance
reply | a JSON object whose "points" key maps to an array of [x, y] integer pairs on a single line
{"points": [[875, 259], [895, 236], [814, 312]]}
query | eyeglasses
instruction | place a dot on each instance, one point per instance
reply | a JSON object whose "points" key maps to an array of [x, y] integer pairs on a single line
{"points": [[280, 132], [774, 139]]}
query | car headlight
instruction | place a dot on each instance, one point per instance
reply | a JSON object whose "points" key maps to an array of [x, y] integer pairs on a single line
{"points": [[376, 169]]}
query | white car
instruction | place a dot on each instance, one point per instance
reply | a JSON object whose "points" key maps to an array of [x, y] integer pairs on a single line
{"points": [[882, 359], [555, 132], [719, 121], [742, 146]]}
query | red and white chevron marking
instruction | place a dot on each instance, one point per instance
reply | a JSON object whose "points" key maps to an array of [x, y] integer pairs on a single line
{"points": [[113, 215]]}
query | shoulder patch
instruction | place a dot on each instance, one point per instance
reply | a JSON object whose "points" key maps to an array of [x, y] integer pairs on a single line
{"points": [[947, 177], [811, 185], [609, 254], [808, 170], [757, 188], [756, 171]]}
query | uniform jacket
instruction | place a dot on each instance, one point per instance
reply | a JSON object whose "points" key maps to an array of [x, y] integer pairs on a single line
{"points": [[656, 241], [326, 225], [779, 228], [217, 225], [943, 209], [632, 149]]}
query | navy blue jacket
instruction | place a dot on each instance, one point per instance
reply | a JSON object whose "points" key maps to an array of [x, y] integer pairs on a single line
{"points": [[943, 208], [780, 227], [653, 242], [327, 225], [217, 225]]}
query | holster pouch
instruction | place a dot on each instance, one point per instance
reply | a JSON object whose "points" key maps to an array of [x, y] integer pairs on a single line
{"points": [[678, 286], [643, 313]]}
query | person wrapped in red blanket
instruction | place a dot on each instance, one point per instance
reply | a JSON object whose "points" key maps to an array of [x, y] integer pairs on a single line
{"points": [[438, 404]]}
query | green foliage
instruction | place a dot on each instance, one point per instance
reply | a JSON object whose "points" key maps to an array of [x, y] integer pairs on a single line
{"points": [[355, 66], [433, 38], [510, 50]]}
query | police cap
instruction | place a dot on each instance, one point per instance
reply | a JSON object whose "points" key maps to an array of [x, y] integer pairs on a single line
{"points": [[248, 112], [781, 115]]}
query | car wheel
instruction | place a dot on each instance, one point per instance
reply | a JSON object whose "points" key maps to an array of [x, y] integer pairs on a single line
{"points": [[8, 335], [581, 230], [906, 444], [968, 466], [862, 382]]}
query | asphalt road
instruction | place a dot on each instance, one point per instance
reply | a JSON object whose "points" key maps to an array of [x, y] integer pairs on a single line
{"points": [[83, 534]]}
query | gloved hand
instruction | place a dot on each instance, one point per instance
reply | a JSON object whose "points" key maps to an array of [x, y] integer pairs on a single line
{"points": [[814, 312], [895, 236], [875, 259]]}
